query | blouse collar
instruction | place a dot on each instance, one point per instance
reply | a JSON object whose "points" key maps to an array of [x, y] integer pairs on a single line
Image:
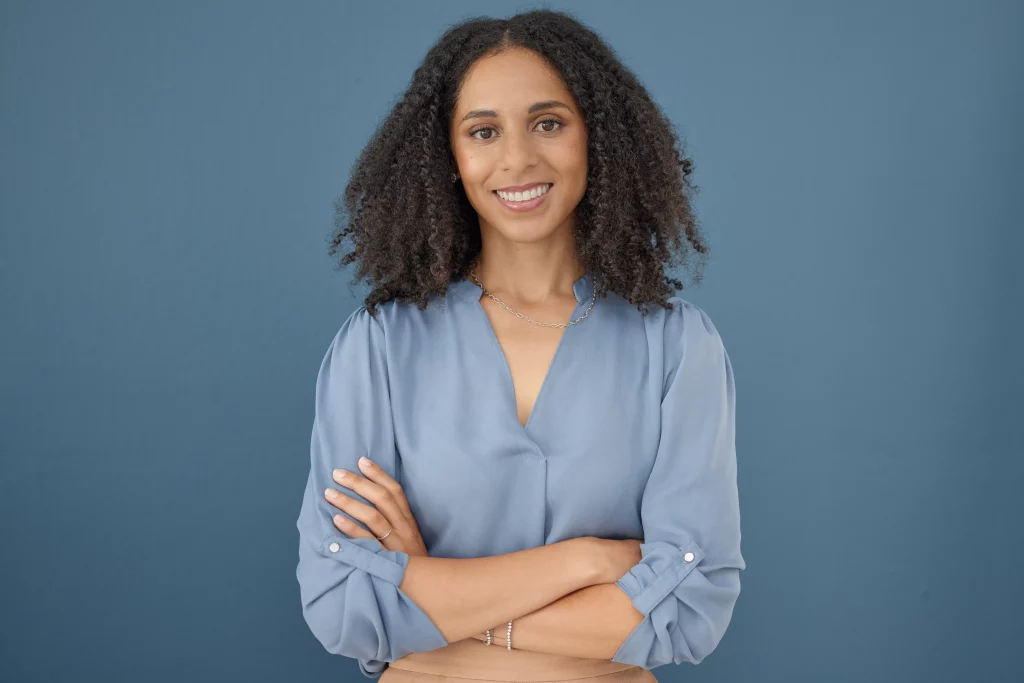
{"points": [[583, 288]]}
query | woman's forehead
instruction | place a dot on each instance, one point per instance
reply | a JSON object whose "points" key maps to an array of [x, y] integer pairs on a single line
{"points": [[510, 84]]}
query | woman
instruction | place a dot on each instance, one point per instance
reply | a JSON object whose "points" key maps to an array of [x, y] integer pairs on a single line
{"points": [[533, 398]]}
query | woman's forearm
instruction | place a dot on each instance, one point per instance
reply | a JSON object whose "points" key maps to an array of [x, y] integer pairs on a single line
{"points": [[467, 596], [590, 622]]}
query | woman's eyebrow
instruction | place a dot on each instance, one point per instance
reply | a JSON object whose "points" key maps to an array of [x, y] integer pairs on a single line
{"points": [[547, 104]]}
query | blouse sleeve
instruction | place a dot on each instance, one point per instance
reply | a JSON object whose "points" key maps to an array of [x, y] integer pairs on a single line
{"points": [[349, 586], [687, 581]]}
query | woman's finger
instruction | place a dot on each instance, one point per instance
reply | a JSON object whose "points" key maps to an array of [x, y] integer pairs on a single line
{"points": [[374, 473], [350, 528], [377, 494], [362, 512]]}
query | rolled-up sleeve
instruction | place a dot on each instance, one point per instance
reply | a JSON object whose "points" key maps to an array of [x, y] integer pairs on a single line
{"points": [[349, 587], [688, 579]]}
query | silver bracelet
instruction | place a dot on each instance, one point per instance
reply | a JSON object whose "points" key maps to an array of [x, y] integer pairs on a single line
{"points": [[508, 636]]}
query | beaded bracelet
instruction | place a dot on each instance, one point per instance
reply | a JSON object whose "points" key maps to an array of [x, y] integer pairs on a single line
{"points": [[508, 636]]}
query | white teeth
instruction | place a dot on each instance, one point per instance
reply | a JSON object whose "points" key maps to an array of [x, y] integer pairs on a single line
{"points": [[532, 193]]}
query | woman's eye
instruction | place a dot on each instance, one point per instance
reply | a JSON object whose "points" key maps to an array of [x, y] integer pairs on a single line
{"points": [[557, 124]]}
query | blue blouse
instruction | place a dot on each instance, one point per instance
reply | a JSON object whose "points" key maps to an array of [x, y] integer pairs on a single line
{"points": [[631, 436]]}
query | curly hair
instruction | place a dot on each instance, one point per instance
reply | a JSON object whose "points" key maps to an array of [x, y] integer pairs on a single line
{"points": [[413, 231]]}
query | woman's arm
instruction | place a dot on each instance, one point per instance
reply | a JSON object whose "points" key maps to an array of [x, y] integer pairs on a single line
{"points": [[590, 622], [688, 580], [466, 596]]}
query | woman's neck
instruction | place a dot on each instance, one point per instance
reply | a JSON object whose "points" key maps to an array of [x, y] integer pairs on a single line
{"points": [[529, 278]]}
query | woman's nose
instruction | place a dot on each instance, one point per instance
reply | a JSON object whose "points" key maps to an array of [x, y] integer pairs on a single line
{"points": [[519, 152]]}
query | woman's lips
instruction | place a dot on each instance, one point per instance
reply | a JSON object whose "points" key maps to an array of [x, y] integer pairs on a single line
{"points": [[527, 205]]}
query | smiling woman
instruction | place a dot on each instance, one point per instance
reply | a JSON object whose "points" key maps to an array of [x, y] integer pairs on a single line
{"points": [[545, 140], [553, 489], [503, 104]]}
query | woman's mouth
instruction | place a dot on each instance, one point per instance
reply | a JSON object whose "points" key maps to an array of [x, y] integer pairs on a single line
{"points": [[524, 201]]}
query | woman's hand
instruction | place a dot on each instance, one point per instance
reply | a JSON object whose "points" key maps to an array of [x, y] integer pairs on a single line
{"points": [[390, 509]]}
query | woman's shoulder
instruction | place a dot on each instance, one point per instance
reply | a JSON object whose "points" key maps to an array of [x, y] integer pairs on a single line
{"points": [[687, 317], [358, 333], [392, 320], [684, 328]]}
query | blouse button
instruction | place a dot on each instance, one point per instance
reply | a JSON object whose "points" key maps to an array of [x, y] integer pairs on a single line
{"points": [[688, 557], [335, 548]]}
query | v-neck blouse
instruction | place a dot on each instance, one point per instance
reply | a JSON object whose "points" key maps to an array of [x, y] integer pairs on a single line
{"points": [[631, 436]]}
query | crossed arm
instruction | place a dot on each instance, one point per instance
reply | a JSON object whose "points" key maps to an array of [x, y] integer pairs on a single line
{"points": [[377, 602], [590, 622], [559, 596], [585, 618]]}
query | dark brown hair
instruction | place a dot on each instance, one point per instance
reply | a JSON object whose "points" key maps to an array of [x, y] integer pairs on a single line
{"points": [[413, 230]]}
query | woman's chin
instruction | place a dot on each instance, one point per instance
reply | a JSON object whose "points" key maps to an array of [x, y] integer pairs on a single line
{"points": [[525, 231]]}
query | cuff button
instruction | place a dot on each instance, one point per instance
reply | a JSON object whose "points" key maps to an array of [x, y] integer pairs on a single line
{"points": [[335, 548], [688, 557]]}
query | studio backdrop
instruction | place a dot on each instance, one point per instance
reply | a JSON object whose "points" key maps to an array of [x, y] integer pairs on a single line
{"points": [[167, 179]]}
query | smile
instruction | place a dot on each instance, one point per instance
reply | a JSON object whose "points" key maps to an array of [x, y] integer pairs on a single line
{"points": [[524, 201]]}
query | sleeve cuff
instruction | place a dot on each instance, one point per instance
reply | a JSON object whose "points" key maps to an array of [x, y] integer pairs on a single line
{"points": [[662, 567], [408, 627], [372, 668], [366, 554]]}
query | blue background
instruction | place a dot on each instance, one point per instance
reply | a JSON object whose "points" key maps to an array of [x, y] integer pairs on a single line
{"points": [[166, 186]]}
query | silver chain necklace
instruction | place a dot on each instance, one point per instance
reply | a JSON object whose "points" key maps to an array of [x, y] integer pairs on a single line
{"points": [[593, 298]]}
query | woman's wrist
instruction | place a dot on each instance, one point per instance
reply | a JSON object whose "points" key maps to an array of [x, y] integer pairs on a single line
{"points": [[499, 635], [585, 560]]}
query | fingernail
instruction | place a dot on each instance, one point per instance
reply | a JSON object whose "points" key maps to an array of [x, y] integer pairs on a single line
{"points": [[340, 474], [331, 493], [365, 462]]}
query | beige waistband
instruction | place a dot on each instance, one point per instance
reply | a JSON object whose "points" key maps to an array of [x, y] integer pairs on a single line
{"points": [[472, 658]]}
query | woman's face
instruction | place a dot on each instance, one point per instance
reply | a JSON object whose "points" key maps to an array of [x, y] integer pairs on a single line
{"points": [[517, 125]]}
